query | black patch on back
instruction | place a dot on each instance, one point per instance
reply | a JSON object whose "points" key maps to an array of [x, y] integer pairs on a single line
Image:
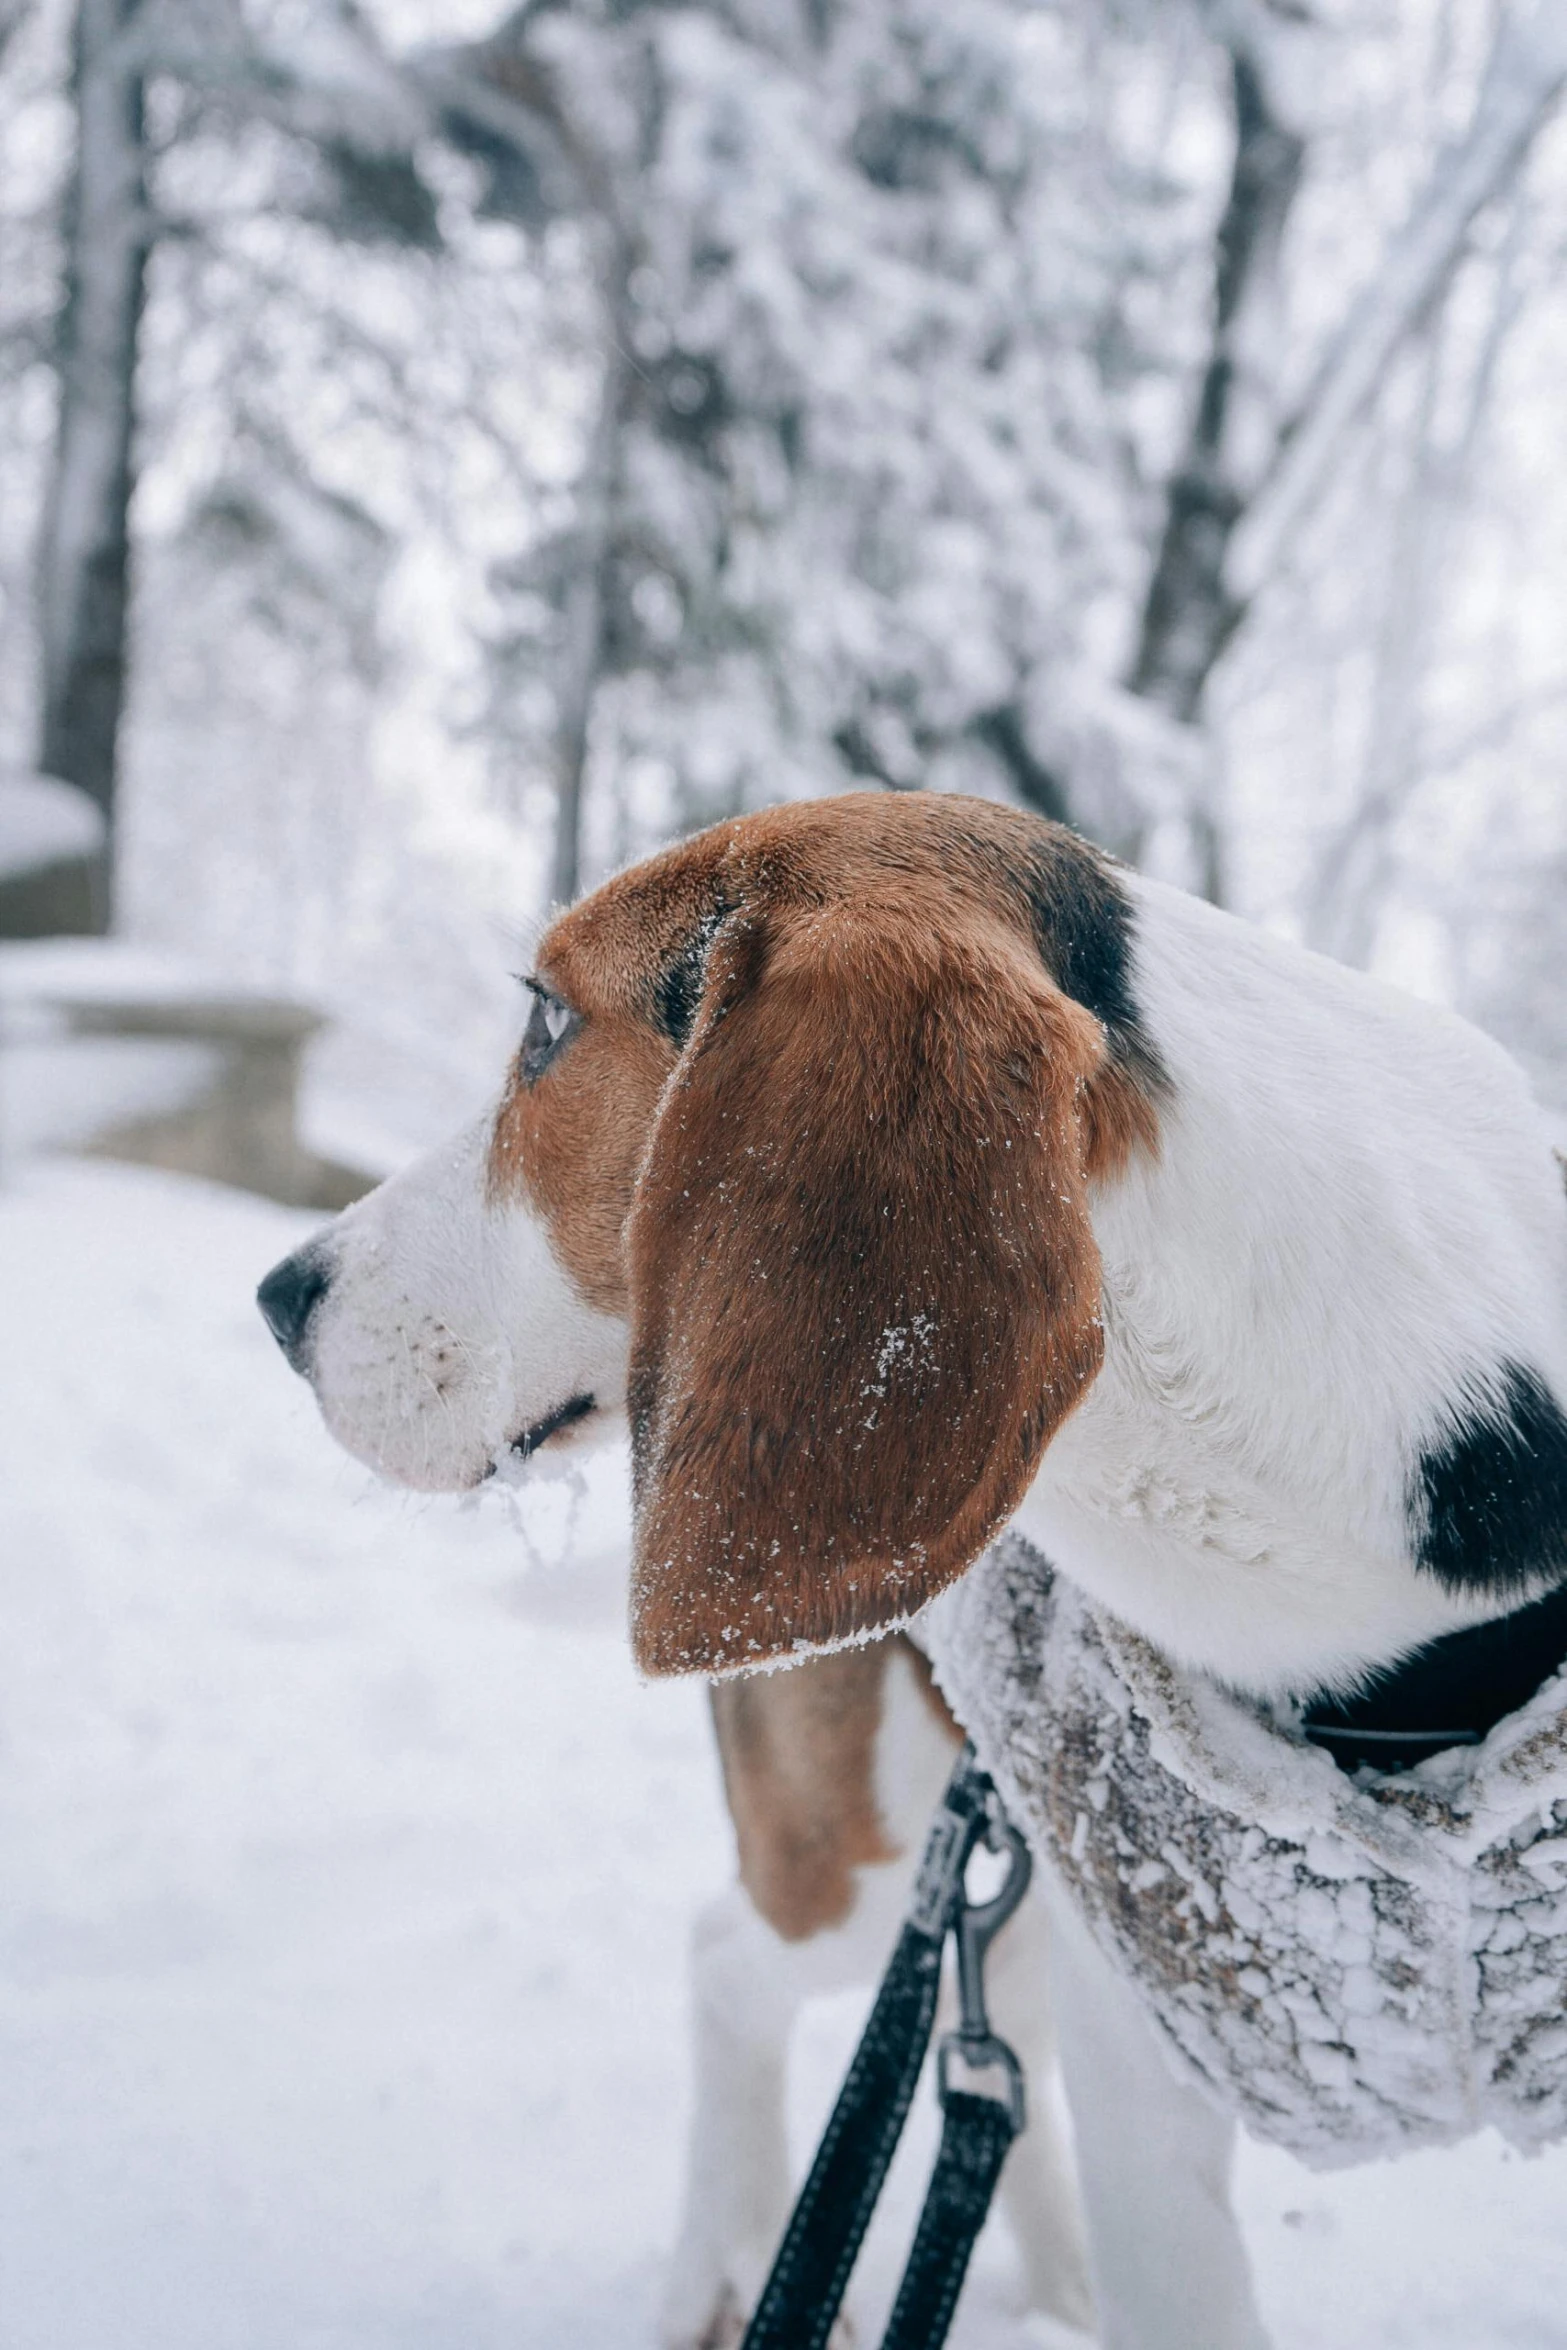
{"points": [[1083, 924], [677, 991], [1488, 1504]]}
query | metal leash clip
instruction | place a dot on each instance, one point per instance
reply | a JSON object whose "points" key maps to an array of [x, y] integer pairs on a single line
{"points": [[803, 2292], [973, 2049]]}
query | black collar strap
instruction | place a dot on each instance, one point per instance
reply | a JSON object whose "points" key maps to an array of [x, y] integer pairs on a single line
{"points": [[1448, 1694]]}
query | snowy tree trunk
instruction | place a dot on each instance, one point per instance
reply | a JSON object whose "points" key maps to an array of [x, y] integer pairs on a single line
{"points": [[84, 556], [1189, 614], [1247, 483], [587, 602]]}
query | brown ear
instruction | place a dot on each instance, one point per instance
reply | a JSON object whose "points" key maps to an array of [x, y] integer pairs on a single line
{"points": [[865, 1288]]}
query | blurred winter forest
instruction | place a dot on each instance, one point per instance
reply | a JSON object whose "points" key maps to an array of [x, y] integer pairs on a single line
{"points": [[443, 453]]}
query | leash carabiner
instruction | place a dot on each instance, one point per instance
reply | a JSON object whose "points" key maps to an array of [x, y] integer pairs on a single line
{"points": [[801, 2297], [973, 2049]]}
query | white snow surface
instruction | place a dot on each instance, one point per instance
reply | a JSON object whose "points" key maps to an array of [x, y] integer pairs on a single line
{"points": [[347, 1874], [60, 1086]]}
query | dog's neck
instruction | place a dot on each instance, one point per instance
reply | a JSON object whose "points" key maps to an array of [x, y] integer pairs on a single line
{"points": [[1352, 1228]]}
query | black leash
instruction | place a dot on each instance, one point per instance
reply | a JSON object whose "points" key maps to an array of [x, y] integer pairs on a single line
{"points": [[821, 2243]]}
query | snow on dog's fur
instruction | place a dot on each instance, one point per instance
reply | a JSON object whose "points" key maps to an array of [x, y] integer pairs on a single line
{"points": [[910, 1169]]}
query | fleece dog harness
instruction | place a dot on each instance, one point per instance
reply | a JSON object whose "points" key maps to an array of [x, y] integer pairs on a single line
{"points": [[1356, 1967]]}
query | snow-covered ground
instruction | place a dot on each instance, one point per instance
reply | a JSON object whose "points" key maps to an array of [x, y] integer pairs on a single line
{"points": [[345, 1870]]}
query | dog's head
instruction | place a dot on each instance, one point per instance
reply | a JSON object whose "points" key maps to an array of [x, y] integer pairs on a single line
{"points": [[793, 1160]]}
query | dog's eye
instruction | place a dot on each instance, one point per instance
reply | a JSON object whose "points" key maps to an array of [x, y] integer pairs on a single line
{"points": [[550, 1023]]}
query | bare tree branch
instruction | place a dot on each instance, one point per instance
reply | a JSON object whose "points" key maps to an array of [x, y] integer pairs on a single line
{"points": [[1038, 786]]}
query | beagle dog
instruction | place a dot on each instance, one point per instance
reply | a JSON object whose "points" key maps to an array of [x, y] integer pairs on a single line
{"points": [[905, 1167]]}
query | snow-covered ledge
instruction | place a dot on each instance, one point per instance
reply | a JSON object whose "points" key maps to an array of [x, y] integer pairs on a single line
{"points": [[115, 1051]]}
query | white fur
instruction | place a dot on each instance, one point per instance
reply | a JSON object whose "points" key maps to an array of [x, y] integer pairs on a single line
{"points": [[450, 1325], [1354, 1216]]}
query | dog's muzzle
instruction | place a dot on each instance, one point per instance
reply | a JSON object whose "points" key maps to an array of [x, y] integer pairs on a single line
{"points": [[289, 1296]]}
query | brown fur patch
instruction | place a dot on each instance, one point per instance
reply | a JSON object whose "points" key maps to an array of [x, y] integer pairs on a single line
{"points": [[574, 1142], [798, 1752], [848, 1220], [1119, 1120]]}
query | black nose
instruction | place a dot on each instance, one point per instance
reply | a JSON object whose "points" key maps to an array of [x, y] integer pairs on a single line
{"points": [[291, 1293]]}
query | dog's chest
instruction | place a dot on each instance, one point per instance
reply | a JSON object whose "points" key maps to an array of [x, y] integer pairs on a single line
{"points": [[1238, 1556]]}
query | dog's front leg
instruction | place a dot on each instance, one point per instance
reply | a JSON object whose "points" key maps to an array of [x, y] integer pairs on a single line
{"points": [[1169, 2269], [744, 1998], [1039, 2191]]}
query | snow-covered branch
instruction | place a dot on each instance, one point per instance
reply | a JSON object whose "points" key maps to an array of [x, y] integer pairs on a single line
{"points": [[332, 88], [1523, 81], [1188, 614], [498, 105]]}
